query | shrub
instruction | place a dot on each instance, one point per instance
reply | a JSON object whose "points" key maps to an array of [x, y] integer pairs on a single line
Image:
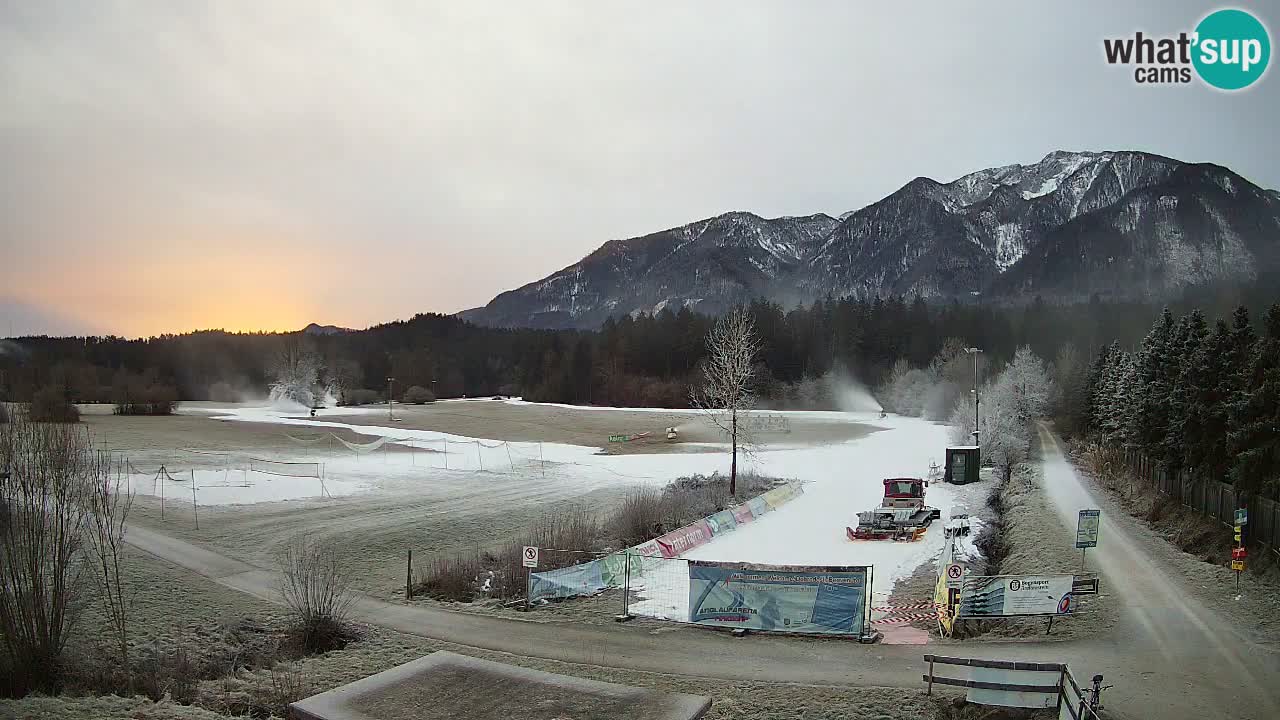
{"points": [[418, 395], [318, 592], [359, 396], [134, 399], [50, 404]]}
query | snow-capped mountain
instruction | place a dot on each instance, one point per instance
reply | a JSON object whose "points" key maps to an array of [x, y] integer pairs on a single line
{"points": [[1076, 223]]}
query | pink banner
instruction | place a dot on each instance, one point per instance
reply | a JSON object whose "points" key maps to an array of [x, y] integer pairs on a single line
{"points": [[685, 539], [649, 549], [742, 514]]}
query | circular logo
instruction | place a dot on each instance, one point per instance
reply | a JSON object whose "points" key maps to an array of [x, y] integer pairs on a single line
{"points": [[1231, 49], [954, 572], [1015, 585], [1064, 605]]}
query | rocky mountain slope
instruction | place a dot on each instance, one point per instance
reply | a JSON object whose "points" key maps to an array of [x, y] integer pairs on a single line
{"points": [[1076, 223]]}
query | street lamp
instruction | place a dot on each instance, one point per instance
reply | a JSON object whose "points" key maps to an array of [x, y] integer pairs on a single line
{"points": [[975, 352]]}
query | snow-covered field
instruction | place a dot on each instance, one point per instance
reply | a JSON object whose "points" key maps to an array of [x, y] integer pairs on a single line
{"points": [[840, 479]]}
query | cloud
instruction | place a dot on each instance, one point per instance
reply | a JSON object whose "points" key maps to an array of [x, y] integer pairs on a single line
{"points": [[383, 159]]}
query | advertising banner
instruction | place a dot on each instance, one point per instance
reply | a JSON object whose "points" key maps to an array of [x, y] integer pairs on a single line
{"points": [[722, 522], [584, 579], [1008, 595], [758, 506], [678, 542], [742, 514], [798, 599]]}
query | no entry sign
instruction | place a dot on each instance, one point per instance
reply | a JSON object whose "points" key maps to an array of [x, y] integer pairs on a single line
{"points": [[530, 556]]}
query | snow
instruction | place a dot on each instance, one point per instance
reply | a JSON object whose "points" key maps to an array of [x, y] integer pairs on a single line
{"points": [[841, 480]]}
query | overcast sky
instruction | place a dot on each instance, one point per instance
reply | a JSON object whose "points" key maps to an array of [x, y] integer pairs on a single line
{"points": [[174, 165]]}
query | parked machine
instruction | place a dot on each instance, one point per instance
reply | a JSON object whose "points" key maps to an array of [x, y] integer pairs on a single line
{"points": [[902, 514]]}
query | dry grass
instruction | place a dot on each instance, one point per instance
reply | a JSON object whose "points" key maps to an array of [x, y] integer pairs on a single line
{"points": [[643, 515]]}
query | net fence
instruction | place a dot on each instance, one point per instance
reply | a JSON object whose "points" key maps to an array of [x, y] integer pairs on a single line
{"points": [[287, 469]]}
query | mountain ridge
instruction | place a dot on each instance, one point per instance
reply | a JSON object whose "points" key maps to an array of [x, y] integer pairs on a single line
{"points": [[1116, 222]]}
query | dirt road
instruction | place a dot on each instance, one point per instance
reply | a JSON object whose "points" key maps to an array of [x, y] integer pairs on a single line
{"points": [[1163, 618]]}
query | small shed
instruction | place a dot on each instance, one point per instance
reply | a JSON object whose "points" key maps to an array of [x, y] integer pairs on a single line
{"points": [[963, 463]]}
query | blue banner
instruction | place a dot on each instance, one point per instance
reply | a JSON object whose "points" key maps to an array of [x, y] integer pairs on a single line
{"points": [[584, 579], [798, 599]]}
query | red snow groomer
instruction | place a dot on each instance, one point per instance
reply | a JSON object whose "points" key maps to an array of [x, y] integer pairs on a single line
{"points": [[902, 514]]}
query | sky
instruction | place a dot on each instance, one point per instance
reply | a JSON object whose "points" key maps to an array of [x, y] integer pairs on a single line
{"points": [[173, 165]]}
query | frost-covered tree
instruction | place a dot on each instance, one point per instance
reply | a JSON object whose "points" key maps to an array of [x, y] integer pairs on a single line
{"points": [[1006, 436], [295, 372], [1151, 390], [1029, 382], [1206, 424], [1255, 419], [726, 392]]}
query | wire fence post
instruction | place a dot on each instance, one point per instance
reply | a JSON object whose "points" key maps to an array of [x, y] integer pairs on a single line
{"points": [[626, 587], [160, 479], [195, 510], [509, 461], [542, 461], [408, 578], [479, 456], [446, 451]]}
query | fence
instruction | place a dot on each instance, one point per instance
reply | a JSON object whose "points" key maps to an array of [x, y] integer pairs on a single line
{"points": [[1213, 499], [1018, 684]]}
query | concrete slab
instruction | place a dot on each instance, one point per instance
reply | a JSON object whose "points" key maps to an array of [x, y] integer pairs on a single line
{"points": [[447, 685]]}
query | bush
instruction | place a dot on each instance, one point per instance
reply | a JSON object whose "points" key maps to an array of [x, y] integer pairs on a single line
{"points": [[50, 404], [418, 395], [358, 396], [134, 399], [318, 591]]}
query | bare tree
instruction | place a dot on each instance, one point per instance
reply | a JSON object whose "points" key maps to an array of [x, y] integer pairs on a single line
{"points": [[108, 511], [318, 591], [47, 472], [725, 394]]}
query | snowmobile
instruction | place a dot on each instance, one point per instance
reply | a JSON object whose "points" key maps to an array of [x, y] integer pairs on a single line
{"points": [[902, 514]]}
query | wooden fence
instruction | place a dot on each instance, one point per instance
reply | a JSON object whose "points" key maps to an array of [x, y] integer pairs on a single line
{"points": [[1213, 499]]}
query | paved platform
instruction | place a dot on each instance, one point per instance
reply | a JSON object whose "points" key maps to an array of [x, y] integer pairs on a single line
{"points": [[447, 685]]}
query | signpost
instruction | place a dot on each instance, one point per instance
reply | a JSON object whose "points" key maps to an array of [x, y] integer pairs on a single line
{"points": [[1238, 553], [530, 556], [1087, 532]]}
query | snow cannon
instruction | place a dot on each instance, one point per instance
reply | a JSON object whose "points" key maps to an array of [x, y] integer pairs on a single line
{"points": [[902, 514]]}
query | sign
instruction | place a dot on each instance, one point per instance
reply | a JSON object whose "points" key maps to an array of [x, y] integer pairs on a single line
{"points": [[618, 438], [1087, 528], [1010, 595], [1239, 553], [798, 599], [1084, 586], [681, 540], [530, 556], [955, 573], [1237, 565], [1242, 517]]}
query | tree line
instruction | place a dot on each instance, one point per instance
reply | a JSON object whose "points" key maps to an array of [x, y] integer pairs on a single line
{"points": [[1194, 397]]}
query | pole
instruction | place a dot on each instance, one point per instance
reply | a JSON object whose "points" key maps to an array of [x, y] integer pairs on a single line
{"points": [[626, 584], [389, 415], [194, 509], [408, 578], [158, 477], [541, 461], [977, 437], [509, 461], [1082, 552], [446, 451]]}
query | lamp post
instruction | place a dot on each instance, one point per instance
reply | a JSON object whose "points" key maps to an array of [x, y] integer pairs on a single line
{"points": [[975, 352]]}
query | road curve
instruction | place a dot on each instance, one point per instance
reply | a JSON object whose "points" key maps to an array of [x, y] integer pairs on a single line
{"points": [[1170, 662]]}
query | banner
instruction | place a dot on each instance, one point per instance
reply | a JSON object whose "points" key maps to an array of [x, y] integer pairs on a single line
{"points": [[722, 522], [798, 599], [758, 506], [584, 579], [1009, 595], [779, 495], [678, 542], [742, 514]]}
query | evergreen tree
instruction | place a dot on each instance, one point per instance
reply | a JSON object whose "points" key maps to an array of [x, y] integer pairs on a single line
{"points": [[1255, 419], [1191, 335], [1151, 389], [1206, 423]]}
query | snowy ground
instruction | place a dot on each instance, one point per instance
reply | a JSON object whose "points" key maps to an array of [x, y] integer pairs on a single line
{"points": [[841, 480]]}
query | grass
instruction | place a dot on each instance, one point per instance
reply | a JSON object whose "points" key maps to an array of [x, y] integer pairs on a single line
{"points": [[575, 535]]}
